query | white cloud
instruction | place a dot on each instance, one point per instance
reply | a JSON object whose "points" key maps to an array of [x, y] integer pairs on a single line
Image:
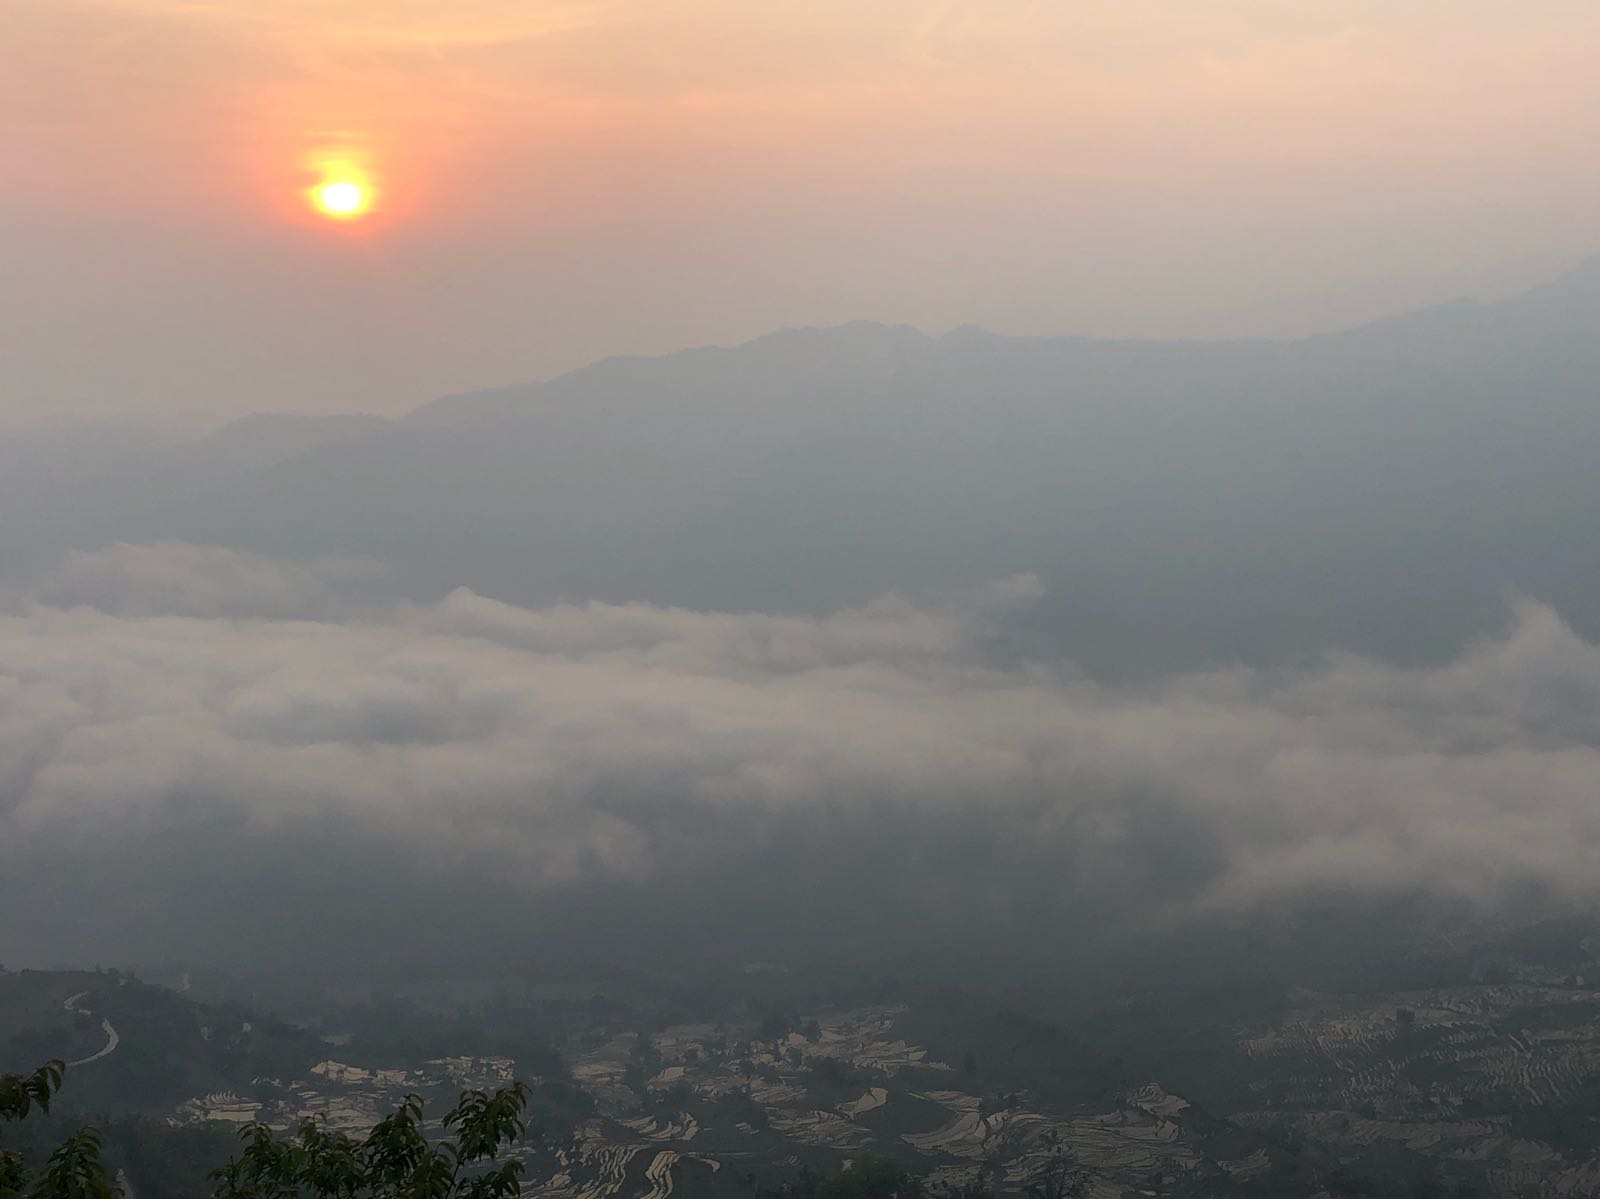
{"points": [[667, 753]]}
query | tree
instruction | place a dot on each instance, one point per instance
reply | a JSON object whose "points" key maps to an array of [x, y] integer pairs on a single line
{"points": [[21, 1093], [74, 1170], [396, 1160]]}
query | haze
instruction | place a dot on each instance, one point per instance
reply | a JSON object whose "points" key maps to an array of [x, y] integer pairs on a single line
{"points": [[568, 180], [1121, 570], [946, 598]]}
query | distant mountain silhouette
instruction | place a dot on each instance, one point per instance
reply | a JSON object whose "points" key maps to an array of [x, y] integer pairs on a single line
{"points": [[1386, 488]]}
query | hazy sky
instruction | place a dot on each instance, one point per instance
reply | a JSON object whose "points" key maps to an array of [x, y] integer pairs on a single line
{"points": [[563, 179]]}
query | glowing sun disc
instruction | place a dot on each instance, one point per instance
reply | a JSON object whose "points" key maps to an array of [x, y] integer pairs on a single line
{"points": [[341, 198]]}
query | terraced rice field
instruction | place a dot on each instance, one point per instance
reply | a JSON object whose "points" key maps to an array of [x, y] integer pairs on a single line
{"points": [[1451, 1074], [635, 1147]]}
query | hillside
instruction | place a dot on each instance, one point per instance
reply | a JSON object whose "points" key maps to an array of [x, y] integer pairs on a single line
{"points": [[1481, 1081]]}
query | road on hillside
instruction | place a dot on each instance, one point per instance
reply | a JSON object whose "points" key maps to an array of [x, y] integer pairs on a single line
{"points": [[71, 1004]]}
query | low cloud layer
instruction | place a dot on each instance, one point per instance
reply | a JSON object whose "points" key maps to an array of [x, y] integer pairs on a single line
{"points": [[204, 754]]}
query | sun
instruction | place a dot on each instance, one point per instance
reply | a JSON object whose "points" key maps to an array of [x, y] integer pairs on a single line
{"points": [[343, 190], [342, 199]]}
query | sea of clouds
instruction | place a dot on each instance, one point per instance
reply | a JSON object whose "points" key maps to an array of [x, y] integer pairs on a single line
{"points": [[206, 754]]}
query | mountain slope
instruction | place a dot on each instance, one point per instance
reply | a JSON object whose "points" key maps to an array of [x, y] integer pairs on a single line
{"points": [[1382, 489]]}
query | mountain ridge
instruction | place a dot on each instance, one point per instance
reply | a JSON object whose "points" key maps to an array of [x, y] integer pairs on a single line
{"points": [[1185, 503], [1581, 280]]}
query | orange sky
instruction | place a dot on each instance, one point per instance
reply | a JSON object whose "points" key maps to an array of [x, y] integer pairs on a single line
{"points": [[571, 178]]}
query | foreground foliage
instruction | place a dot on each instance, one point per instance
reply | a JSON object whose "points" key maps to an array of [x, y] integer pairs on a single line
{"points": [[74, 1170], [396, 1160]]}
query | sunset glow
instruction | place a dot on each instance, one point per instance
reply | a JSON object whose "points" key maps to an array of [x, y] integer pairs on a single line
{"points": [[634, 177], [884, 599]]}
